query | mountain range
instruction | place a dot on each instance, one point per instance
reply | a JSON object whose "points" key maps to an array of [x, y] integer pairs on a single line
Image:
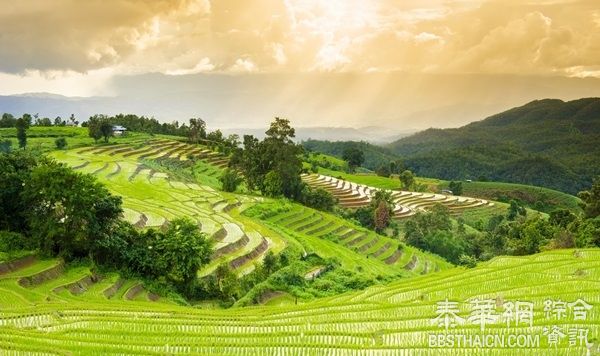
{"points": [[550, 143]]}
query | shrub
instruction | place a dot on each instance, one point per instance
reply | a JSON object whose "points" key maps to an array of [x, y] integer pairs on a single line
{"points": [[5, 146], [12, 241], [61, 143], [456, 187], [317, 198], [230, 180]]}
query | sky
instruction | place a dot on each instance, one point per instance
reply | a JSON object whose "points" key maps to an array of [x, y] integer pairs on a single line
{"points": [[408, 47]]}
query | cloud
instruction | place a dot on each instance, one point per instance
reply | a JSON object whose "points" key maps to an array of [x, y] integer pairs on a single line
{"points": [[191, 36], [243, 65], [71, 34], [202, 66]]}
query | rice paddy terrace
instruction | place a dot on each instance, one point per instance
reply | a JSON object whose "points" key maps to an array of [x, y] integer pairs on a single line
{"points": [[354, 195], [49, 309], [331, 236], [152, 198]]}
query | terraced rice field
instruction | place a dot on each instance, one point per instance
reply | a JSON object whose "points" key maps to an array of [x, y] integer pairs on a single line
{"points": [[354, 195], [152, 199], [352, 245], [50, 316]]}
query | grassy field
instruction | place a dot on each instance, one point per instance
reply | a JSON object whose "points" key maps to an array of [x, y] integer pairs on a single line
{"points": [[64, 314], [43, 138], [376, 181]]}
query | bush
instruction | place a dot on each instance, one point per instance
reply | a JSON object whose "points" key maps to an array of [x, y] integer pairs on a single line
{"points": [[230, 180], [5, 146], [317, 198], [383, 171], [61, 143], [12, 241], [456, 187]]}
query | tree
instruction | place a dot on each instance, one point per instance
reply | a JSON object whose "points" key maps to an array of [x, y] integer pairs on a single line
{"points": [[270, 262], [99, 126], [197, 130], [8, 120], [396, 166], [22, 125], [215, 138], [354, 156], [93, 125], [63, 221], [318, 198], [230, 180], [274, 164], [561, 218], [58, 121], [106, 129], [383, 170], [377, 215], [282, 155], [273, 185], [432, 231], [382, 217], [15, 169], [60, 143], [407, 178], [180, 251], [44, 122], [73, 120], [515, 209], [227, 282], [456, 187], [314, 167], [591, 200]]}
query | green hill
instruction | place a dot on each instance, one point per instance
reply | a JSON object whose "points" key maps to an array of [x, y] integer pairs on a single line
{"points": [[159, 182], [547, 143], [375, 156]]}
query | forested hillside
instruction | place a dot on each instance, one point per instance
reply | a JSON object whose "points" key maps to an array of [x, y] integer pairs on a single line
{"points": [[547, 143], [374, 156]]}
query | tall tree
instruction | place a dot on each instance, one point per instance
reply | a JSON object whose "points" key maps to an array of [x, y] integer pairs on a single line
{"points": [[273, 165], [407, 178], [8, 120], [22, 125], [591, 200], [456, 187], [93, 125], [197, 130], [181, 250], [354, 156], [100, 126], [282, 156], [67, 221], [106, 129]]}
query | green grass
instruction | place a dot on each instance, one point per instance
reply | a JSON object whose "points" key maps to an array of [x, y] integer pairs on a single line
{"points": [[373, 180], [382, 319], [43, 138]]}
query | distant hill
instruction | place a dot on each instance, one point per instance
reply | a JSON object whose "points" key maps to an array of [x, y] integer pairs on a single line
{"points": [[548, 143], [375, 156], [372, 134]]}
